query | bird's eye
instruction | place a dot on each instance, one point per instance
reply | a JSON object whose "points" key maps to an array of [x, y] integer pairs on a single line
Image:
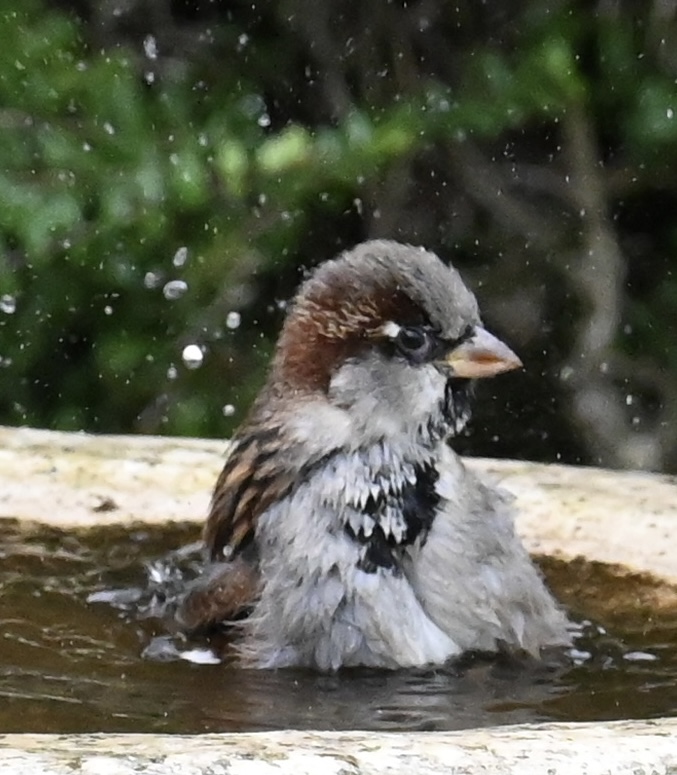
{"points": [[413, 342]]}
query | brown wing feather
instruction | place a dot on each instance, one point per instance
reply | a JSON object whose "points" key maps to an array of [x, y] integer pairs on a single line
{"points": [[224, 592], [255, 476]]}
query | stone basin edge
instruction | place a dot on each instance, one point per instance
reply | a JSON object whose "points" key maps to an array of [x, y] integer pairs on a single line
{"points": [[80, 481], [618, 747]]}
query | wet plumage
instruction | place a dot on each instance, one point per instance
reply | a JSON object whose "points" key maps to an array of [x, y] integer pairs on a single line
{"points": [[343, 528]]}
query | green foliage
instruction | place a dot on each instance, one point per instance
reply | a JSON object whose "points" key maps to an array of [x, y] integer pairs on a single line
{"points": [[111, 162]]}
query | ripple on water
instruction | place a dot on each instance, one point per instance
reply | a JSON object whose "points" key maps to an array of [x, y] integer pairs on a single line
{"points": [[85, 648]]}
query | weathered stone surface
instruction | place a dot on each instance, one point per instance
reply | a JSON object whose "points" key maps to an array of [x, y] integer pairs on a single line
{"points": [[617, 517], [556, 749], [78, 480]]}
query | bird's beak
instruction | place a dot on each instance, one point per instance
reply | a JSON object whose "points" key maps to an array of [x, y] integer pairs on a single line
{"points": [[482, 355]]}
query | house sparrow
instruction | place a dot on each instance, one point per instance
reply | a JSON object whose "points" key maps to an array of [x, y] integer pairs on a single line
{"points": [[343, 528]]}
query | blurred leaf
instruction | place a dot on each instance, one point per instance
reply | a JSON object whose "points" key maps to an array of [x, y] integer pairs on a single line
{"points": [[258, 151], [654, 120]]}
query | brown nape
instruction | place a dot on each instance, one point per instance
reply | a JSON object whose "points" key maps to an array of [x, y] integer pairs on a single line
{"points": [[329, 325]]}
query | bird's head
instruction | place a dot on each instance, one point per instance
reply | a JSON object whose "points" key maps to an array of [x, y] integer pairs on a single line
{"points": [[390, 334]]}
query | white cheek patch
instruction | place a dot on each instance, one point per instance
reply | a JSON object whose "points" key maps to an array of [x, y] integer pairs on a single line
{"points": [[390, 329]]}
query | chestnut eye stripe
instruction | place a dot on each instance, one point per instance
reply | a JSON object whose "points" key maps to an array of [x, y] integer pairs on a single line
{"points": [[419, 343]]}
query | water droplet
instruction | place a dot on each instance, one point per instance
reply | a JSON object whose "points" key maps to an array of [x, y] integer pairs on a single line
{"points": [[228, 410], [180, 257], [200, 657], [149, 77], [629, 399], [172, 372], [670, 113], [233, 320], [150, 46], [108, 310], [108, 128], [151, 280], [243, 40], [252, 105], [174, 289], [192, 356], [579, 656], [263, 120], [7, 304], [639, 656]]}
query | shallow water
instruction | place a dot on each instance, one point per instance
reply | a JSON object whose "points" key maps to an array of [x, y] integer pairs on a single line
{"points": [[69, 665]]}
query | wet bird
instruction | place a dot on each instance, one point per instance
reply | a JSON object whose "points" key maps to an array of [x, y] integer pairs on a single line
{"points": [[344, 530]]}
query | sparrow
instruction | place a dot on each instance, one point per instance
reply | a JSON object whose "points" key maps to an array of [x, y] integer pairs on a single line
{"points": [[344, 530]]}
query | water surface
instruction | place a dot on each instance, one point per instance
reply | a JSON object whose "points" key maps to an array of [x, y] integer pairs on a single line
{"points": [[69, 665]]}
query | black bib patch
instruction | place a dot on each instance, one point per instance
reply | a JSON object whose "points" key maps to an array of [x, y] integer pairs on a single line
{"points": [[416, 504]]}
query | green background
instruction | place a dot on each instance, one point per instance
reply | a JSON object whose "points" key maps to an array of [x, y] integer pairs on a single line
{"points": [[232, 145]]}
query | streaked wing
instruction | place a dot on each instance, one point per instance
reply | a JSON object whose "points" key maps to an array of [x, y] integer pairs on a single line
{"points": [[255, 476], [257, 473], [252, 478]]}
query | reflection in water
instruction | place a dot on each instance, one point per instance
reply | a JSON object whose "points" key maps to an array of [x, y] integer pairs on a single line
{"points": [[69, 665]]}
